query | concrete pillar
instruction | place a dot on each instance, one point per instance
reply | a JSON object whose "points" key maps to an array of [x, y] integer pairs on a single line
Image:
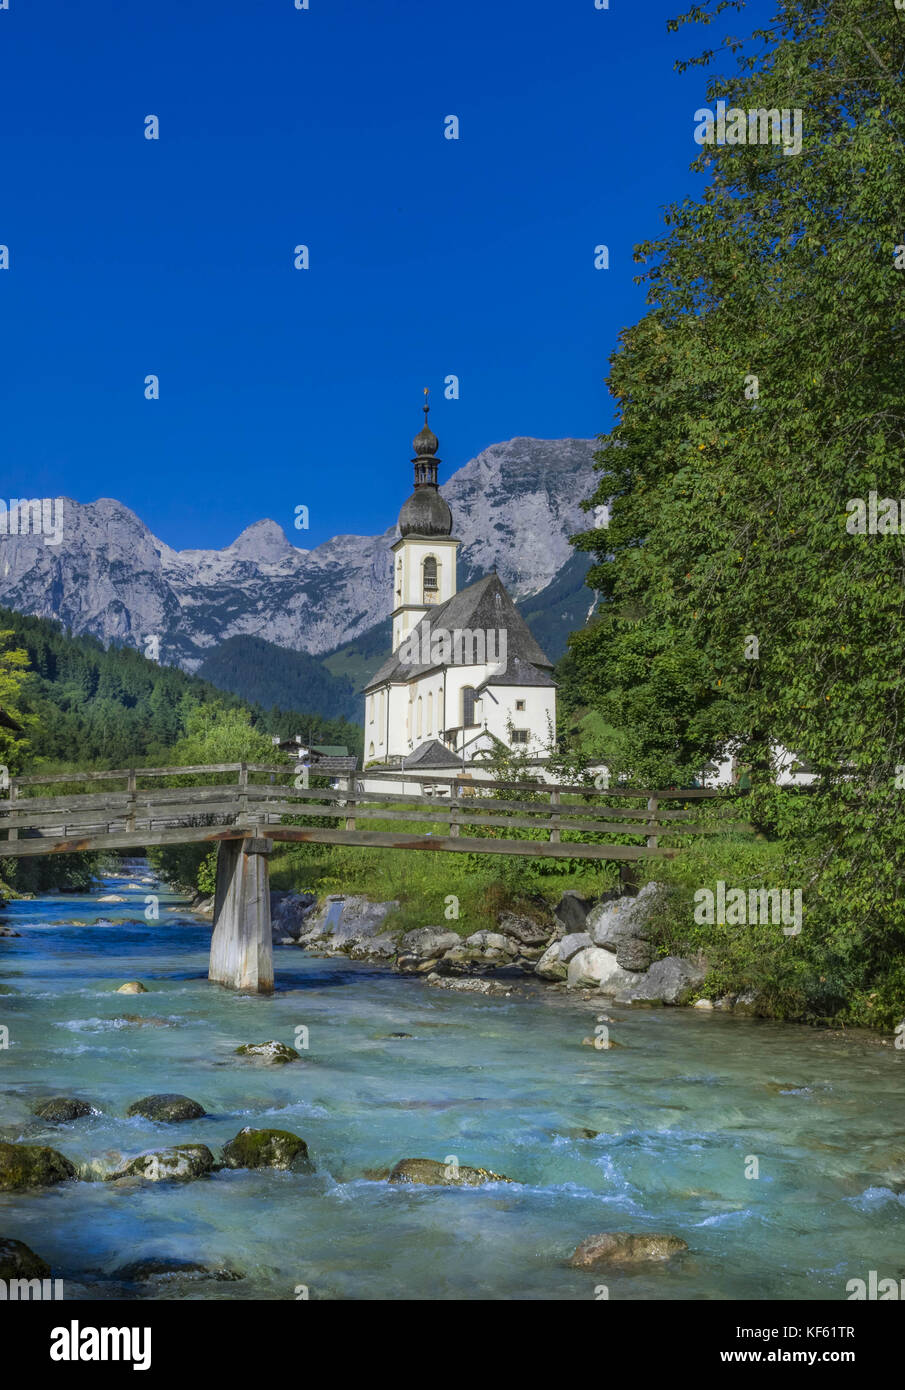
{"points": [[242, 945]]}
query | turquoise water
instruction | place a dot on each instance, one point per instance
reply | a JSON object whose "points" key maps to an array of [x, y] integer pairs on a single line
{"points": [[504, 1084]]}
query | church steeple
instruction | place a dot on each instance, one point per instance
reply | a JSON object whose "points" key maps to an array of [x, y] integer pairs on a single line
{"points": [[426, 445], [425, 513], [424, 569]]}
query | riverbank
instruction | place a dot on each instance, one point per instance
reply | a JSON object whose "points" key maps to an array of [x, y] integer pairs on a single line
{"points": [[650, 1136]]}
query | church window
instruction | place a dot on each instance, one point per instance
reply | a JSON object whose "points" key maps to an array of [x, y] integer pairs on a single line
{"points": [[381, 707], [520, 704], [429, 576], [468, 705], [519, 736], [370, 750], [430, 711], [418, 719]]}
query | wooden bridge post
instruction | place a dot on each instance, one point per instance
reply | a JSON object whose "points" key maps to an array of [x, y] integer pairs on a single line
{"points": [[652, 806], [130, 792], [242, 945], [350, 803], [554, 817]]}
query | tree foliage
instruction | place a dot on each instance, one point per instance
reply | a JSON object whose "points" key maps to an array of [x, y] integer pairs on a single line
{"points": [[761, 392]]}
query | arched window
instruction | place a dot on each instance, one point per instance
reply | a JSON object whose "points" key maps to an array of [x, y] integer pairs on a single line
{"points": [[381, 708], [468, 705], [440, 711], [429, 580], [370, 750], [430, 711], [418, 719]]}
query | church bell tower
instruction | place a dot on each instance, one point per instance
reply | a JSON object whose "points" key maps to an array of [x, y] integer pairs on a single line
{"points": [[424, 556]]}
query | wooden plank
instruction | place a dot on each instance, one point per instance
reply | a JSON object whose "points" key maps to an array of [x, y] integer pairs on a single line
{"points": [[318, 835]]}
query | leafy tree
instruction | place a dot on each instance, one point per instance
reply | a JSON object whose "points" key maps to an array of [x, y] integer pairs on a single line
{"points": [[760, 394]]}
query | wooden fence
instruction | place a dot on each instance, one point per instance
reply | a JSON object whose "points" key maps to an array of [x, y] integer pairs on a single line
{"points": [[260, 798]]}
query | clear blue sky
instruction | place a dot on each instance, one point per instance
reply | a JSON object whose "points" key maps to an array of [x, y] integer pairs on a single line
{"points": [[428, 256]]}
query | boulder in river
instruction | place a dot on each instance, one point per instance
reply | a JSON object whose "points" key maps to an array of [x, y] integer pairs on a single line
{"points": [[60, 1110], [469, 985], [167, 1108], [670, 980], [181, 1163], [140, 1271], [112, 898], [621, 1247], [421, 948], [595, 966], [266, 1148], [32, 1165], [431, 1173], [270, 1054], [8, 931], [528, 933], [17, 1261], [132, 987]]}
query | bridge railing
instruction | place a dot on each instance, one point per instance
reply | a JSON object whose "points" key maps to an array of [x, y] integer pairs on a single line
{"points": [[264, 797]]}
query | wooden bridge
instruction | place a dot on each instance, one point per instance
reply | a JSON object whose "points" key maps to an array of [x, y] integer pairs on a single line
{"points": [[262, 803]]}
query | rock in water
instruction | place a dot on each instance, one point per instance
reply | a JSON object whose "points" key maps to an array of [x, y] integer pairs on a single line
{"points": [[266, 1148], [61, 1109], [168, 1109], [274, 1054], [139, 1271], [132, 987], [181, 1163], [431, 1173], [32, 1165], [17, 1261], [621, 1247]]}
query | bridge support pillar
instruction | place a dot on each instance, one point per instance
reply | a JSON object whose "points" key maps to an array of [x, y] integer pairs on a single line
{"points": [[242, 946]]}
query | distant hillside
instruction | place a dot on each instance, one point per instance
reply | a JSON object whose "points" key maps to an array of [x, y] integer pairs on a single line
{"points": [[86, 704], [269, 675]]}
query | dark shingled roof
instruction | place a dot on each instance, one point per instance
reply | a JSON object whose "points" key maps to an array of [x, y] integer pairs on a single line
{"points": [[483, 606], [425, 513], [519, 672], [432, 754]]}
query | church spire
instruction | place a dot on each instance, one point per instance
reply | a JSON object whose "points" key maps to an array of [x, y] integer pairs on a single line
{"points": [[426, 445]]}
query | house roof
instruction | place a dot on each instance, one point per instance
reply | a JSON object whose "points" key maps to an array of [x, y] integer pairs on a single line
{"points": [[484, 606], [432, 754]]}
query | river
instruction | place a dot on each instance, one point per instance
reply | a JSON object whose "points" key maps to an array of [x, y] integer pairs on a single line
{"points": [[655, 1135]]}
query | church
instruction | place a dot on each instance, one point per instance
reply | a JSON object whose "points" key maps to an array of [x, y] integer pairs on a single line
{"points": [[466, 679]]}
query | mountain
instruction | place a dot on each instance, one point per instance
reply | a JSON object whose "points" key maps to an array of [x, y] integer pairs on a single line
{"points": [[268, 675], [514, 506]]}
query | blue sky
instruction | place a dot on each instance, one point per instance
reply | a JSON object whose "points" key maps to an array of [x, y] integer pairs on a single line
{"points": [[428, 256]]}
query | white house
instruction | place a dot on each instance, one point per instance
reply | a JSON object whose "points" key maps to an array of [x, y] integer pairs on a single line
{"points": [[465, 674]]}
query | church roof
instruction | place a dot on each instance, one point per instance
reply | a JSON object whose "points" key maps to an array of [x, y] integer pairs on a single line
{"points": [[519, 672], [484, 606], [425, 513], [432, 754]]}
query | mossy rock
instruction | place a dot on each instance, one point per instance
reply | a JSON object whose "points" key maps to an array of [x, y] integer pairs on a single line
{"points": [[32, 1165], [621, 1247], [18, 1261], [167, 1108], [431, 1173], [274, 1054], [266, 1148], [131, 986], [181, 1163], [140, 1271], [60, 1110]]}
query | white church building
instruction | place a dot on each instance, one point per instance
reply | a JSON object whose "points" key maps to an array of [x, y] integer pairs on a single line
{"points": [[465, 678]]}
